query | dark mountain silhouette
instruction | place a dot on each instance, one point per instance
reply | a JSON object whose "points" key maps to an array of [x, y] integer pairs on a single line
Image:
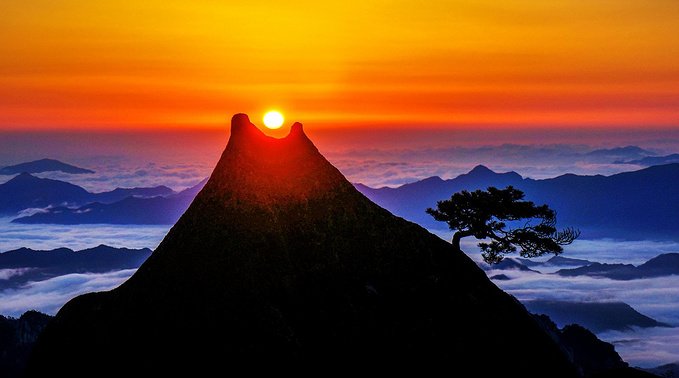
{"points": [[411, 200], [661, 265], [628, 152], [553, 261], [518, 263], [26, 191], [595, 316], [32, 265], [43, 165], [132, 209], [652, 160], [509, 263], [666, 370], [118, 194], [640, 204], [614, 271], [17, 337], [589, 354], [281, 265]]}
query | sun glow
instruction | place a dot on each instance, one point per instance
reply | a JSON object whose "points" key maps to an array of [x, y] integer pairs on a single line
{"points": [[273, 119]]}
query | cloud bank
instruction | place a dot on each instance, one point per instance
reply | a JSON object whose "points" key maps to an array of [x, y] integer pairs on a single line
{"points": [[50, 295], [657, 297], [377, 167], [78, 237]]}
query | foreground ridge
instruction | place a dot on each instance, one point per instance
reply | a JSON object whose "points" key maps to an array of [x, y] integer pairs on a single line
{"points": [[281, 264]]}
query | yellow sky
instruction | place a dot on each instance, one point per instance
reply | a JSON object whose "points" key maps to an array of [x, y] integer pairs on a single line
{"points": [[121, 64]]}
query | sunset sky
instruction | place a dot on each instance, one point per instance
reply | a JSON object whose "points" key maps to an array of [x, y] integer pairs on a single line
{"points": [[441, 63]]}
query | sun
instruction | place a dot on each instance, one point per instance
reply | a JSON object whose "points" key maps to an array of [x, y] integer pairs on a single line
{"points": [[273, 119]]}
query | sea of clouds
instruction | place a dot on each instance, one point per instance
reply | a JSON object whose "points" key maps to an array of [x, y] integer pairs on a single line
{"points": [[656, 297]]}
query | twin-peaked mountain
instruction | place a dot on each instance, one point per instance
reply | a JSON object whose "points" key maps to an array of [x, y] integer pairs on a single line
{"points": [[281, 265], [641, 204]]}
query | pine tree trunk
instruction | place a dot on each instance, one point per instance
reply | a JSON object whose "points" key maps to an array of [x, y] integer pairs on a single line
{"points": [[456, 239]]}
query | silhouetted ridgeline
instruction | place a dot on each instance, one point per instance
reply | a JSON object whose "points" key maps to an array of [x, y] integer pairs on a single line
{"points": [[17, 337], [280, 264], [662, 265], [595, 316], [588, 353]]}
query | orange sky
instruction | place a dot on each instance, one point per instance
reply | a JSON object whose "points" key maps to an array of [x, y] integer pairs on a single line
{"points": [[444, 63]]}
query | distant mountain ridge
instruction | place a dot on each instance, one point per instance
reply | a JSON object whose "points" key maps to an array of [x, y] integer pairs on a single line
{"points": [[665, 264], [639, 204], [651, 160], [662, 265], [43, 165], [595, 316], [625, 205], [24, 264], [137, 206], [26, 191]]}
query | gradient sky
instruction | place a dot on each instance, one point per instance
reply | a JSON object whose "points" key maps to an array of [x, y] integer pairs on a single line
{"points": [[74, 64]]}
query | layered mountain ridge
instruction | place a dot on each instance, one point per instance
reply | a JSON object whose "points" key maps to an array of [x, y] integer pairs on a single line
{"points": [[280, 264], [636, 205]]}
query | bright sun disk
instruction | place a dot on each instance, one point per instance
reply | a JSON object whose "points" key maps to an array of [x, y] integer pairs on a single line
{"points": [[273, 119]]}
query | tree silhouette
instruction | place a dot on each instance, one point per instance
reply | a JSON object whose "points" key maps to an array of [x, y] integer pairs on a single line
{"points": [[483, 214]]}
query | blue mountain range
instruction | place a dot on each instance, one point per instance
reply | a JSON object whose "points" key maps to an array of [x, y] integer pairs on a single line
{"points": [[43, 165], [642, 204]]}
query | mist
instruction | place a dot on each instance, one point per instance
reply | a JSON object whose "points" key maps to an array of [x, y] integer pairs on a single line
{"points": [[50, 295], [657, 298], [78, 237]]}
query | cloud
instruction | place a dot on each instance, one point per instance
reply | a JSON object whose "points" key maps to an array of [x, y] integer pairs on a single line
{"points": [[378, 167], [33, 210], [645, 347], [6, 274], [657, 298], [78, 237], [130, 174], [50, 295]]}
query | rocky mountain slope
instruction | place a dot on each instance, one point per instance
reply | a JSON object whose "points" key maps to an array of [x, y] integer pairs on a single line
{"points": [[280, 264]]}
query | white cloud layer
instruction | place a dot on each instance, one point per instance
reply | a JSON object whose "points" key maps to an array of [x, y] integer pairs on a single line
{"points": [[646, 348], [50, 295], [657, 298], [77, 237]]}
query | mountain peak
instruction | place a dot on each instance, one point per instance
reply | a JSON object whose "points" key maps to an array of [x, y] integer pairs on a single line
{"points": [[43, 165], [241, 127], [23, 177], [481, 170], [255, 167], [244, 131]]}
